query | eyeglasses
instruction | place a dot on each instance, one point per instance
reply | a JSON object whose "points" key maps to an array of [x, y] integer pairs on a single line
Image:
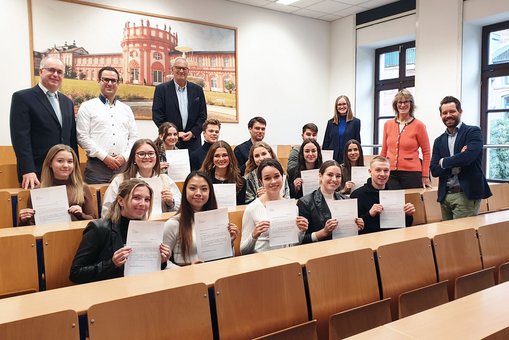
{"points": [[342, 104], [53, 70], [143, 154], [180, 68], [109, 80], [403, 102]]}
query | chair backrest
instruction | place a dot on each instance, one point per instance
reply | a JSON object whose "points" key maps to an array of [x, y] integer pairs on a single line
{"points": [[18, 268], [6, 220], [420, 212], [405, 266], [236, 218], [493, 239], [502, 334], [503, 272], [359, 319], [500, 198], [59, 250], [420, 299], [456, 253], [23, 197], [304, 331], [431, 206], [59, 325], [340, 282], [8, 176], [260, 302], [470, 283], [178, 313]]}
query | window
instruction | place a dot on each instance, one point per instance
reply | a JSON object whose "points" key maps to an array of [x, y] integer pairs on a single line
{"points": [[157, 56], [394, 71], [157, 77], [213, 62], [495, 99]]}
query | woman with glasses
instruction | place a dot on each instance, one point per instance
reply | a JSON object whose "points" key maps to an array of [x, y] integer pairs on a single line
{"points": [[144, 162], [61, 167], [167, 140], [342, 127], [401, 140]]}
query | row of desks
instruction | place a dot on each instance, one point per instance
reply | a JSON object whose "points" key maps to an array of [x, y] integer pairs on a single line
{"points": [[81, 297]]}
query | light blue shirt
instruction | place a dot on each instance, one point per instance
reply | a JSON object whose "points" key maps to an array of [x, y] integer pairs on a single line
{"points": [[182, 99], [451, 140]]}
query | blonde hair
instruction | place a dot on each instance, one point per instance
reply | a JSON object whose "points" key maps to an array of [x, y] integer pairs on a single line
{"points": [[75, 178], [251, 164], [126, 190], [349, 112]]}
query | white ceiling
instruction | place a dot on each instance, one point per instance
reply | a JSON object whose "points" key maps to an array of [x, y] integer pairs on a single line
{"points": [[327, 10]]}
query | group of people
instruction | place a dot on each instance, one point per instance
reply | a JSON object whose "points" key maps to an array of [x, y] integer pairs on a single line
{"points": [[45, 135]]}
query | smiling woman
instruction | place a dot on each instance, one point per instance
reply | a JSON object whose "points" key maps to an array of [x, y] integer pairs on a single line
{"points": [[59, 168]]}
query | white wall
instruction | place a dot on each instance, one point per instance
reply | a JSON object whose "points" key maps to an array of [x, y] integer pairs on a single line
{"points": [[283, 64]]}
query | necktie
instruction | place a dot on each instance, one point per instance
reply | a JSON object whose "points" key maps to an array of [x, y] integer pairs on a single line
{"points": [[56, 106]]}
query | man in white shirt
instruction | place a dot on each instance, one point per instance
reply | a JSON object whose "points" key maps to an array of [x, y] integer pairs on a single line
{"points": [[106, 130]]}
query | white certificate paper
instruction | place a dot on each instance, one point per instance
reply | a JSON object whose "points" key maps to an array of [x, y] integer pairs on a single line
{"points": [[281, 215], [51, 205], [157, 186], [393, 215], [212, 237], [144, 238], [179, 167], [226, 195], [345, 212], [359, 175], [310, 181], [327, 155]]}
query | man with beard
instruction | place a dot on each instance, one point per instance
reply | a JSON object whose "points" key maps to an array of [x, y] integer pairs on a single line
{"points": [[457, 162]]}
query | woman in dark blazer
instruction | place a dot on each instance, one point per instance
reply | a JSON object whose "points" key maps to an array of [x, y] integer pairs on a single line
{"points": [[341, 128]]}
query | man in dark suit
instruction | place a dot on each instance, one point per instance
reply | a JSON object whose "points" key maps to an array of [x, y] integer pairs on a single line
{"points": [[40, 118], [256, 127], [457, 161], [182, 103]]}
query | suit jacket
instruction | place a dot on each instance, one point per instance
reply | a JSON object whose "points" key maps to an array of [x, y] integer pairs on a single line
{"points": [[471, 178], [165, 108], [35, 128], [331, 137]]}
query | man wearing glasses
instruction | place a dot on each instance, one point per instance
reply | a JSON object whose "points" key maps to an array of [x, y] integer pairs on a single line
{"points": [[106, 130], [182, 103], [40, 118]]}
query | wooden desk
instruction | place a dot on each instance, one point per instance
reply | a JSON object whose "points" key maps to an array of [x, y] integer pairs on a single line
{"points": [[81, 297], [472, 317]]}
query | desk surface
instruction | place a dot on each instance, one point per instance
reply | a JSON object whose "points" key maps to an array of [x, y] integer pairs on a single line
{"points": [[81, 297], [472, 317]]}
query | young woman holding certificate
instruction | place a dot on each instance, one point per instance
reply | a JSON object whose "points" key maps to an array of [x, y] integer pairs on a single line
{"points": [[310, 157], [61, 167], [102, 252], [179, 232], [315, 206], [353, 157], [167, 140], [143, 162], [220, 165], [255, 222], [258, 152]]}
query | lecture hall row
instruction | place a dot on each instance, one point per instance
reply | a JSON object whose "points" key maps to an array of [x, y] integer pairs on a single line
{"points": [[390, 275]]}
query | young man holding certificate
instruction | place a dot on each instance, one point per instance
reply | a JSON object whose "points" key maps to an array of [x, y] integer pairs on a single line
{"points": [[369, 206]]}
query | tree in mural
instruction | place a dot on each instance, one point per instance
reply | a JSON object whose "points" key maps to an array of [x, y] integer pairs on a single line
{"points": [[499, 158]]}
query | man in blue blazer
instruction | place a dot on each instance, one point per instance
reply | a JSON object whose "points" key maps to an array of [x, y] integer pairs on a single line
{"points": [[182, 103], [40, 118], [457, 162]]}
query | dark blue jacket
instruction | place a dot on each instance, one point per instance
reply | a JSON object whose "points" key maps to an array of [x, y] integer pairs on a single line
{"points": [[331, 138]]}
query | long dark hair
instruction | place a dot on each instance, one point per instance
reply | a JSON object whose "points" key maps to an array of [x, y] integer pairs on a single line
{"points": [[301, 163], [232, 172], [187, 213], [347, 165]]}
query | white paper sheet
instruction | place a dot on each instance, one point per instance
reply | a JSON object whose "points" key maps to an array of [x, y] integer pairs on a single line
{"points": [[157, 186], [310, 181], [345, 212], [51, 205], [327, 155], [212, 237], [226, 195], [179, 166], [359, 175], [283, 230], [145, 238], [393, 215]]}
